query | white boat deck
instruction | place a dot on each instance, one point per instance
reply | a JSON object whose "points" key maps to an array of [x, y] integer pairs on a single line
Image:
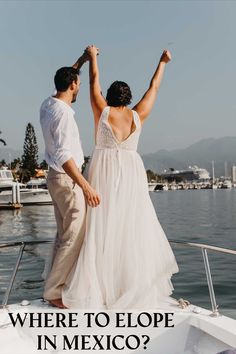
{"points": [[194, 331]]}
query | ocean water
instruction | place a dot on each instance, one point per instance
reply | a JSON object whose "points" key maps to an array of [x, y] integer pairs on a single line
{"points": [[202, 216]]}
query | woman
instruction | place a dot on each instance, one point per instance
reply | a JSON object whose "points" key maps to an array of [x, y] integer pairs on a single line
{"points": [[126, 261]]}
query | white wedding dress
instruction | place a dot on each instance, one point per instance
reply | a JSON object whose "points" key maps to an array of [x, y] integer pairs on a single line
{"points": [[126, 261]]}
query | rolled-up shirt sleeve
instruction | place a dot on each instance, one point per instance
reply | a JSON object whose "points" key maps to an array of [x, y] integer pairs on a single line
{"points": [[61, 130]]}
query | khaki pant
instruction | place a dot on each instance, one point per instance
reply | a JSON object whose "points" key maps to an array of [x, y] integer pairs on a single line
{"points": [[70, 213]]}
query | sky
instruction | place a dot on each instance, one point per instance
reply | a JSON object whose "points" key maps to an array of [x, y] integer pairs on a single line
{"points": [[197, 96]]}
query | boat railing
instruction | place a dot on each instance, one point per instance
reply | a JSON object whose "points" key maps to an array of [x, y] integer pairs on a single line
{"points": [[203, 247], [21, 245]]}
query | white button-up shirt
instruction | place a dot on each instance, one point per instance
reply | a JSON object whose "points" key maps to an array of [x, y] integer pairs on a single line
{"points": [[61, 134]]}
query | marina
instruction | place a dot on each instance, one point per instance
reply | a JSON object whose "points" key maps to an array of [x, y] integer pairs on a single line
{"points": [[192, 178], [165, 186]]}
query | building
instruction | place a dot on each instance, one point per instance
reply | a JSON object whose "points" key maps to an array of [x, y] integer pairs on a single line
{"points": [[233, 174]]}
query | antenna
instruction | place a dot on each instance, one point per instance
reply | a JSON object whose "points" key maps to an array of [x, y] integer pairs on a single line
{"points": [[226, 169], [213, 171]]}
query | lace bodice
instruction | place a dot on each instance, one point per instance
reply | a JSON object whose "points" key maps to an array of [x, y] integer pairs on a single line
{"points": [[106, 139]]}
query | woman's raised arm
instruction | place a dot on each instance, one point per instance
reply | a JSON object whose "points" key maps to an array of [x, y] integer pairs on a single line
{"points": [[98, 102], [144, 106]]}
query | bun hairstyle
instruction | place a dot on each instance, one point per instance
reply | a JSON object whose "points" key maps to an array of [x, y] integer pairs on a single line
{"points": [[119, 94]]}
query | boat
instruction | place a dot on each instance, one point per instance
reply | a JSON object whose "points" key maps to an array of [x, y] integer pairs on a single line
{"points": [[227, 184], [26, 196], [151, 186], [161, 187], [6, 179], [35, 192], [172, 187], [194, 329], [35, 183], [193, 173]]}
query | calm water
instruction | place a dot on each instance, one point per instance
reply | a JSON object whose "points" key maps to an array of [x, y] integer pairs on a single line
{"points": [[203, 216]]}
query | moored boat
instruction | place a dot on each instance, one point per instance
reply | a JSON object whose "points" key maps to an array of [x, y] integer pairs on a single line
{"points": [[151, 186], [227, 184], [35, 192]]}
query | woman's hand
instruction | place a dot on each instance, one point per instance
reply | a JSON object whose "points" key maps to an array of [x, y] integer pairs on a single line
{"points": [[92, 51], [166, 56], [144, 106]]}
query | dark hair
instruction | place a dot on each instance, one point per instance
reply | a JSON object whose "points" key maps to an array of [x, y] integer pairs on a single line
{"points": [[64, 78], [119, 94]]}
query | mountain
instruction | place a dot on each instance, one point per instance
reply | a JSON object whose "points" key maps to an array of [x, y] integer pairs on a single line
{"points": [[200, 154]]}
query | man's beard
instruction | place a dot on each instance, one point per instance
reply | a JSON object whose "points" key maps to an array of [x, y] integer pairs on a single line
{"points": [[74, 97]]}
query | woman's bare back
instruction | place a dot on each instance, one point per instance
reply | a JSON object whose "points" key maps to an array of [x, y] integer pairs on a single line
{"points": [[122, 122]]}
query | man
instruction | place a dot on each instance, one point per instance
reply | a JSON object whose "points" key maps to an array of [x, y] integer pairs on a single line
{"points": [[68, 188]]}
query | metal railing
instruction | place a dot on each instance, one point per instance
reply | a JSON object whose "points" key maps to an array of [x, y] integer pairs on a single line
{"points": [[204, 248], [22, 246]]}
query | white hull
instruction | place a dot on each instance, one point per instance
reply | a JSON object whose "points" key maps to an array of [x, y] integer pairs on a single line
{"points": [[28, 197], [173, 187], [151, 187], [227, 185]]}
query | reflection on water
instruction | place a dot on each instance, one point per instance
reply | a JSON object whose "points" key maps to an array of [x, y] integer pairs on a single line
{"points": [[203, 216], [31, 223]]}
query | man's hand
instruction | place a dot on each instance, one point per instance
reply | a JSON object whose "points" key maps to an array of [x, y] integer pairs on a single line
{"points": [[92, 51], [84, 57], [166, 56], [91, 196]]}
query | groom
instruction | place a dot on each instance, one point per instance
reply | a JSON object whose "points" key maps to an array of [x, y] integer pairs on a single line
{"points": [[68, 188]]}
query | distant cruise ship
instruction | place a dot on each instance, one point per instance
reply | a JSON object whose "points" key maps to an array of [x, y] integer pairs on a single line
{"points": [[194, 173]]}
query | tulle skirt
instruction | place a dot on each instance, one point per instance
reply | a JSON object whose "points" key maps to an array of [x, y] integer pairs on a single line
{"points": [[126, 261]]}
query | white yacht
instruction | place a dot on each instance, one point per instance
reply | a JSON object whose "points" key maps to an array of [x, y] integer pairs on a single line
{"points": [[35, 192], [6, 179], [194, 329], [193, 173], [227, 184], [35, 183], [173, 187]]}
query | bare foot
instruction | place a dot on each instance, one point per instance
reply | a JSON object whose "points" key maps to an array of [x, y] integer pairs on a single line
{"points": [[57, 303]]}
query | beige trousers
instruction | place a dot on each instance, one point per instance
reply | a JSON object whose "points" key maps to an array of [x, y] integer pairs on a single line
{"points": [[70, 212]]}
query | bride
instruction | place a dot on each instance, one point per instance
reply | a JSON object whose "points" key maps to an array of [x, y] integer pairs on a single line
{"points": [[126, 261]]}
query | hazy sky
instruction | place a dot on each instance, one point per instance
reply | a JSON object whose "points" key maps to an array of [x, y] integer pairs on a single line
{"points": [[196, 99]]}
